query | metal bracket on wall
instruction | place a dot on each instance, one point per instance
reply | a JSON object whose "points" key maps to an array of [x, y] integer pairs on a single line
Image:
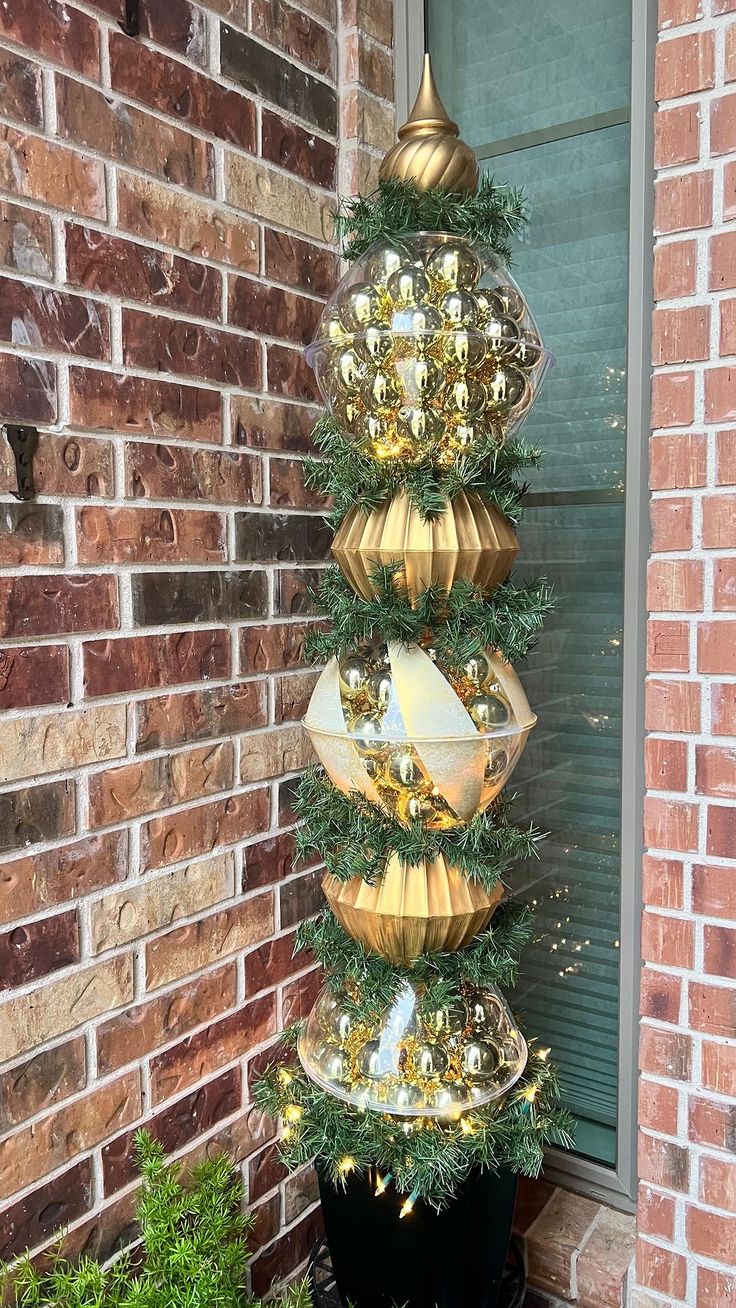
{"points": [[23, 441], [131, 24]]}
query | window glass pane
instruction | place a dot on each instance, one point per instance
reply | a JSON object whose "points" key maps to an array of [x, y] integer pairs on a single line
{"points": [[502, 76], [529, 66], [572, 267], [569, 782]]}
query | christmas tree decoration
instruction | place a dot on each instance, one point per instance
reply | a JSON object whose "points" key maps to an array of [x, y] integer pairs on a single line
{"points": [[470, 540], [415, 1063], [426, 349], [412, 909], [414, 1082], [424, 741]]}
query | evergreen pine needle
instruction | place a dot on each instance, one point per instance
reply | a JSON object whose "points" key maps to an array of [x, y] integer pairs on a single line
{"points": [[492, 216]]}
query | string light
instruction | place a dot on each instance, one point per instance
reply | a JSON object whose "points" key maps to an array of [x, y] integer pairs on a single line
{"points": [[285, 1076], [531, 1092], [293, 1113], [381, 1183], [467, 1126], [543, 1054], [287, 1133], [346, 1165], [408, 1204]]}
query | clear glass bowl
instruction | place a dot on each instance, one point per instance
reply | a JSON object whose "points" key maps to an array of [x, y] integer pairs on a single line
{"points": [[421, 740], [413, 1063], [427, 345]]}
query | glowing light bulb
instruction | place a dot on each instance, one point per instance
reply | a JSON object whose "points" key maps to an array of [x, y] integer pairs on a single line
{"points": [[381, 1183], [530, 1093], [543, 1054], [287, 1133], [408, 1204], [346, 1165], [466, 1126], [293, 1113], [285, 1076]]}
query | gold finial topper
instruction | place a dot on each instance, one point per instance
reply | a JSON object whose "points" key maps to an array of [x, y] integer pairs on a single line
{"points": [[429, 152]]}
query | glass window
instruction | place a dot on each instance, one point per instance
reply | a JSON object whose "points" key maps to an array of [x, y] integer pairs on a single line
{"points": [[541, 92]]}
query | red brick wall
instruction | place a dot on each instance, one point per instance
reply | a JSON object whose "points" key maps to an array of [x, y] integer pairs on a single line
{"points": [[687, 1117], [165, 250]]}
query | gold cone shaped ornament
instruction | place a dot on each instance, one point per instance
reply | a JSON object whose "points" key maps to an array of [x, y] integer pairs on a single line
{"points": [[412, 910], [470, 540], [429, 151]]}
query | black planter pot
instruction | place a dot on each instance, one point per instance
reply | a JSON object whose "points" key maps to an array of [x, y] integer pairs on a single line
{"points": [[428, 1259]]}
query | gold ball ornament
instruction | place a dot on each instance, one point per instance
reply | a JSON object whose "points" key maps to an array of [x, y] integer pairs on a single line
{"points": [[428, 152], [409, 285], [430, 1060], [454, 267], [379, 688], [384, 260], [463, 349], [502, 335], [504, 388], [362, 306], [403, 771], [420, 425], [467, 397], [368, 737], [528, 352], [511, 302], [375, 344], [419, 321], [459, 308], [489, 711], [380, 391], [349, 370], [353, 673], [420, 379], [481, 1059]]}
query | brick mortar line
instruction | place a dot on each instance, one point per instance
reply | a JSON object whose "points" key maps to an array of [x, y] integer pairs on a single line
{"points": [[220, 80]]}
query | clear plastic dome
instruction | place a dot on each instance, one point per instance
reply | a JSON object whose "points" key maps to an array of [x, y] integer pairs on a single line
{"points": [[413, 1063], [427, 345], [423, 741]]}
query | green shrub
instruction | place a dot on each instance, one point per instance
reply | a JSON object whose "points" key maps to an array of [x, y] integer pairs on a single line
{"points": [[193, 1250]]}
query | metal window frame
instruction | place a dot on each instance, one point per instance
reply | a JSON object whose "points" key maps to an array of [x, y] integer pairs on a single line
{"points": [[617, 1185]]}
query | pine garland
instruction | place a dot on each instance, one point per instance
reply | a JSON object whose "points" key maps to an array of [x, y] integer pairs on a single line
{"points": [[367, 983], [355, 838], [430, 1160], [461, 623], [492, 216], [351, 477]]}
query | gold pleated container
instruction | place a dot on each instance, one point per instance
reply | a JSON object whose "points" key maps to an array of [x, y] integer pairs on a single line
{"points": [[470, 540], [412, 910]]}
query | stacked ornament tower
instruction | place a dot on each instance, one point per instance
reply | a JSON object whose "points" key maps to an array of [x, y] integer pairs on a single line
{"points": [[415, 1078]]}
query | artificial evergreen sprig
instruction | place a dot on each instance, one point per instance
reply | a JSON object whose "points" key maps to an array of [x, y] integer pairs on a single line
{"points": [[492, 216], [429, 1160], [368, 984], [461, 623], [352, 477], [355, 838]]}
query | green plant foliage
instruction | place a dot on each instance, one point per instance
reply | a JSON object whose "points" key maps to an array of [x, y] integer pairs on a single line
{"points": [[193, 1245], [492, 216], [460, 621], [367, 983], [350, 476], [429, 1161], [354, 838]]}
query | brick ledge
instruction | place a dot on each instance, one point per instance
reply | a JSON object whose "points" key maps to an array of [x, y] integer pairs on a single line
{"points": [[577, 1250]]}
